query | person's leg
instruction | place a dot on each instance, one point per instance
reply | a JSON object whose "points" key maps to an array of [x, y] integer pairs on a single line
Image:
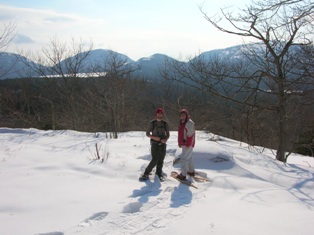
{"points": [[185, 159], [161, 157], [153, 162], [191, 167]]}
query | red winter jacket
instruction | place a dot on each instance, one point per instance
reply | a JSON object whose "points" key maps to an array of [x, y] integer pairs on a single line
{"points": [[186, 134]]}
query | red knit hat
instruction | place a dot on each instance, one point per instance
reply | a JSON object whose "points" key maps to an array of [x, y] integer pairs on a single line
{"points": [[159, 110], [185, 111]]}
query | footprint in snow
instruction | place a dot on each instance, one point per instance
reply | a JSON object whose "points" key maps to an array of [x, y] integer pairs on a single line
{"points": [[132, 207], [95, 217]]}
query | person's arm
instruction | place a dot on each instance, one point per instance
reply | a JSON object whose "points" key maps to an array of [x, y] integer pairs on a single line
{"points": [[190, 133], [149, 132], [149, 129], [167, 133]]}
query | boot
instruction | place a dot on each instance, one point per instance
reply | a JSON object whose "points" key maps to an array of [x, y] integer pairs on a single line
{"points": [[181, 177], [144, 177]]}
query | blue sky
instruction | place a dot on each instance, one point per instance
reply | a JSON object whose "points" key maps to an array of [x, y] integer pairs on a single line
{"points": [[137, 28]]}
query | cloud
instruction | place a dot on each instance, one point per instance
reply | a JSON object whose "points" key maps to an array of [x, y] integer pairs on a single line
{"points": [[60, 20], [22, 39], [28, 18], [36, 27]]}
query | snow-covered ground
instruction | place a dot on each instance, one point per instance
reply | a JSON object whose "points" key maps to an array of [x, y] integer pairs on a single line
{"points": [[52, 183]]}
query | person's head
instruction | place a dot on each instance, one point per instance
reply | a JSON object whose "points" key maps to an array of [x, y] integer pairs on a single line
{"points": [[159, 113], [184, 115]]}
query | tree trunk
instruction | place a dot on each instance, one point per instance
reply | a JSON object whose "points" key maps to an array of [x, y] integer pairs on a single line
{"points": [[280, 156], [281, 150]]}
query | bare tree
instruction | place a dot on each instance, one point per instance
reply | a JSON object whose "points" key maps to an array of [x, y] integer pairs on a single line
{"points": [[279, 25], [274, 72], [6, 37], [61, 65], [112, 93]]}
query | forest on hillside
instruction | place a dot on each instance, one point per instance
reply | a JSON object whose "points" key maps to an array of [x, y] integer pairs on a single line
{"points": [[104, 104]]}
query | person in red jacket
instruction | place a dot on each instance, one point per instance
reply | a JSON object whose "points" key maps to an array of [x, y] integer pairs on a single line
{"points": [[186, 141]]}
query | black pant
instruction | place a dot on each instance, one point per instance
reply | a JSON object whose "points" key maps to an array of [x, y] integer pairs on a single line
{"points": [[158, 155]]}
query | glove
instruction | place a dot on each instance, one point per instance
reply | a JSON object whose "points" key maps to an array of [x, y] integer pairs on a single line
{"points": [[175, 161]]}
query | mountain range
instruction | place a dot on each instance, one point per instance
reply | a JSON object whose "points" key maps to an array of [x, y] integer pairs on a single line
{"points": [[13, 65]]}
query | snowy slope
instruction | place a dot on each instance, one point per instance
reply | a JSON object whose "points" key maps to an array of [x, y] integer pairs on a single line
{"points": [[52, 183]]}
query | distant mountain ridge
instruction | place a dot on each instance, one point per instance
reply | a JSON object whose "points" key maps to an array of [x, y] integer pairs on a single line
{"points": [[13, 65], [148, 66]]}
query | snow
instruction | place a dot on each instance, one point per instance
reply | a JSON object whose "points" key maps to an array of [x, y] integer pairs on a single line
{"points": [[52, 183]]}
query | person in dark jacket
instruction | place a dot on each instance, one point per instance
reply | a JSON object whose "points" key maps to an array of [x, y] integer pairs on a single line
{"points": [[186, 141], [158, 132]]}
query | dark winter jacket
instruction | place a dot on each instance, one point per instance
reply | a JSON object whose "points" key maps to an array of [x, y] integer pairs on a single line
{"points": [[159, 129]]}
